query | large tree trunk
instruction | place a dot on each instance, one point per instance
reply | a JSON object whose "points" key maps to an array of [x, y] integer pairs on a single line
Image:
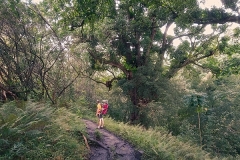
{"points": [[134, 100]]}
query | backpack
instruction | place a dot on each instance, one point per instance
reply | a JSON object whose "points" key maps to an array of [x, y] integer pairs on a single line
{"points": [[105, 108]]}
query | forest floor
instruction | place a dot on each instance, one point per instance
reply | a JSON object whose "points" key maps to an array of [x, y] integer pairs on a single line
{"points": [[105, 145]]}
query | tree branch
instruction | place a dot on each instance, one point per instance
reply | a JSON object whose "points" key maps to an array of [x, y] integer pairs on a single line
{"points": [[221, 20], [172, 71], [114, 64]]}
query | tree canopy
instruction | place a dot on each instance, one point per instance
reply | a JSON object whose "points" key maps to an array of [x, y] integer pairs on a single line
{"points": [[130, 40]]}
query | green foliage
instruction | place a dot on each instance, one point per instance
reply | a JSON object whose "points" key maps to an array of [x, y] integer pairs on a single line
{"points": [[219, 123], [213, 64], [77, 13], [130, 36], [36, 132], [182, 52], [156, 113], [236, 32], [227, 66], [224, 43], [232, 4], [120, 107], [194, 104], [98, 135], [232, 66], [223, 117]]}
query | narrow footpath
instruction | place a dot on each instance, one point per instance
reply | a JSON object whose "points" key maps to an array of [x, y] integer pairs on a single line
{"points": [[106, 146]]}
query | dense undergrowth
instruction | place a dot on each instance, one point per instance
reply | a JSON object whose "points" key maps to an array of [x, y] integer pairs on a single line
{"points": [[38, 131]]}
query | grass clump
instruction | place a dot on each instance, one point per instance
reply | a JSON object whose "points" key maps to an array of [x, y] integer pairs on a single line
{"points": [[37, 131], [98, 135]]}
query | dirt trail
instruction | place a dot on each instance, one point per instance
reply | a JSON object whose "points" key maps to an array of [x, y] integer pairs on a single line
{"points": [[106, 146]]}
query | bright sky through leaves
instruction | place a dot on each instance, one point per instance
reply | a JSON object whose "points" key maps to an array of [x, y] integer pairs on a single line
{"points": [[210, 3]]}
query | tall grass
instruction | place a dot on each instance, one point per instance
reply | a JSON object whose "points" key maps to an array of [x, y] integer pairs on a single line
{"points": [[36, 131]]}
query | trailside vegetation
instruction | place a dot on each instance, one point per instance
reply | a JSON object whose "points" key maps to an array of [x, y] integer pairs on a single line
{"points": [[40, 131]]}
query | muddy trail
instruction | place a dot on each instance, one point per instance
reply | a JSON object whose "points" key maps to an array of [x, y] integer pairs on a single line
{"points": [[106, 146]]}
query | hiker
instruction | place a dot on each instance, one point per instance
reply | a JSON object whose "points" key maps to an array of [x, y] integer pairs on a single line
{"points": [[99, 115]]}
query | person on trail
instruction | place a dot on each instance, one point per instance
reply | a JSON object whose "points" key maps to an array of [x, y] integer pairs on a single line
{"points": [[99, 115]]}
